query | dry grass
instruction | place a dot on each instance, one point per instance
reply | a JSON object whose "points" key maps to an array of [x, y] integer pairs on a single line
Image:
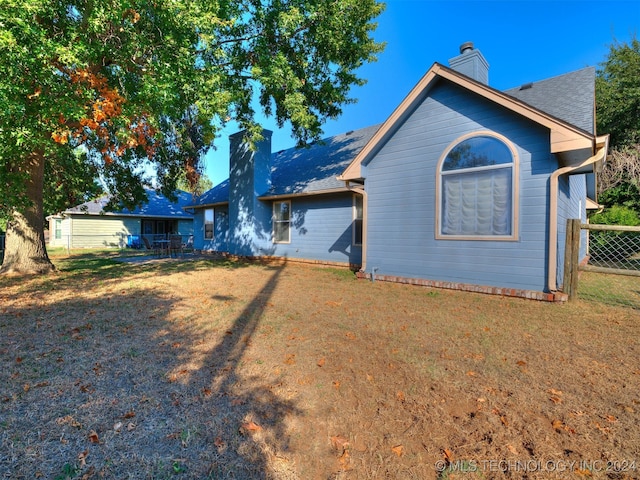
{"points": [[219, 369]]}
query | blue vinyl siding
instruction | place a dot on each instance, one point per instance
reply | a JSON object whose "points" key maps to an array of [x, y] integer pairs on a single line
{"points": [[220, 230], [401, 185], [572, 192], [321, 229]]}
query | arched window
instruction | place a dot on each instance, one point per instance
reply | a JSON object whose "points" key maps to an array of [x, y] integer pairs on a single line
{"points": [[476, 187]]}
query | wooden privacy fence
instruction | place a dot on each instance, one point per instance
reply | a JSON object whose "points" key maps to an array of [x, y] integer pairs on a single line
{"points": [[613, 249]]}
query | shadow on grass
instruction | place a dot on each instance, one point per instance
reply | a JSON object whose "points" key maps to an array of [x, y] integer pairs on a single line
{"points": [[113, 385]]}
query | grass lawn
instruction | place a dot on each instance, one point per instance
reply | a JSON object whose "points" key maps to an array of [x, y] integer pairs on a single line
{"points": [[224, 369]]}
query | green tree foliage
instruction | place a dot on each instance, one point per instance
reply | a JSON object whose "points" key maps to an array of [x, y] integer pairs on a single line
{"points": [[618, 94], [129, 81], [618, 113]]}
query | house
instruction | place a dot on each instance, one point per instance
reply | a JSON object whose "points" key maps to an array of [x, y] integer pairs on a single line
{"points": [[463, 186], [89, 226]]}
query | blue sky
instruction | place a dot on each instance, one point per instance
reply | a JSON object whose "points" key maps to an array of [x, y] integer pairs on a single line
{"points": [[522, 40]]}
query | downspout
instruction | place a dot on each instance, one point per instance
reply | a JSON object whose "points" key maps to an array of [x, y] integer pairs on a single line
{"points": [[553, 208], [360, 189]]}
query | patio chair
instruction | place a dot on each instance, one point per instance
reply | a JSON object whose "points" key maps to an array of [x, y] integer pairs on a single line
{"points": [[175, 245], [148, 246]]}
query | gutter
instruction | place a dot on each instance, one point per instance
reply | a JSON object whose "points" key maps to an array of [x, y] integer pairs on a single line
{"points": [[360, 190], [601, 145]]}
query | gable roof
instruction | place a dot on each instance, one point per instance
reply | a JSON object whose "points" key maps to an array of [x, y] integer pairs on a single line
{"points": [[157, 205], [303, 171], [565, 136]]}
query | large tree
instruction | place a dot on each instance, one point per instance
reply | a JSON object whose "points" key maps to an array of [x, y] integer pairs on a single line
{"points": [[115, 84], [618, 113]]}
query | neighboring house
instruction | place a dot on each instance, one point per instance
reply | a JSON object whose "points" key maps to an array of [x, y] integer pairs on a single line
{"points": [[88, 225], [463, 186]]}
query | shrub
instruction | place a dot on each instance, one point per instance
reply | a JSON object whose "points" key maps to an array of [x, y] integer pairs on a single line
{"points": [[614, 246]]}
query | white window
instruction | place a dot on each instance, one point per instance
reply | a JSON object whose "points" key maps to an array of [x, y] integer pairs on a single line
{"points": [[476, 189], [357, 220], [282, 222], [58, 229], [208, 224]]}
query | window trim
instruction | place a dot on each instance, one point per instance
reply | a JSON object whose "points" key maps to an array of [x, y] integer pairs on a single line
{"points": [[515, 184], [355, 219], [274, 221], [212, 222]]}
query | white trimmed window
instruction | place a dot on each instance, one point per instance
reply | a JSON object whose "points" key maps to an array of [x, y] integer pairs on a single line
{"points": [[282, 222], [357, 220], [208, 224], [477, 189], [58, 229]]}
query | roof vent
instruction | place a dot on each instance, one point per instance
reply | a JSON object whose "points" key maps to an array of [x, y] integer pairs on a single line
{"points": [[526, 86], [349, 132]]}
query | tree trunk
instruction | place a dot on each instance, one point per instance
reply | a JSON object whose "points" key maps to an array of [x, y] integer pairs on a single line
{"points": [[25, 249]]}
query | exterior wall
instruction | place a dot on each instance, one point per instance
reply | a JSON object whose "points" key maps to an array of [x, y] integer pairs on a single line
{"points": [[219, 243], [91, 231], [572, 193], [65, 225], [185, 227], [321, 229], [401, 185]]}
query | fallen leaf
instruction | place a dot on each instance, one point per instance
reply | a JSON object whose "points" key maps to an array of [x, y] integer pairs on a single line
{"points": [[555, 399], [554, 392], [512, 449], [250, 427], [82, 457], [130, 414], [117, 426], [611, 418], [350, 335], [583, 472], [521, 363], [93, 437], [471, 373], [219, 443], [339, 443], [398, 450], [321, 362], [131, 426], [557, 425], [400, 396], [336, 384], [26, 387], [290, 359], [448, 455]]}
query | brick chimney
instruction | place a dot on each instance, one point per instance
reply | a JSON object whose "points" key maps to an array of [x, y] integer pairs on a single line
{"points": [[471, 63]]}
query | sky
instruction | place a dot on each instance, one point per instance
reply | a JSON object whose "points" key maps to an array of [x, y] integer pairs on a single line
{"points": [[522, 40]]}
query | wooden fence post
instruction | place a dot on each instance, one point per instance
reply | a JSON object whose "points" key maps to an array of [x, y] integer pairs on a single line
{"points": [[571, 258]]}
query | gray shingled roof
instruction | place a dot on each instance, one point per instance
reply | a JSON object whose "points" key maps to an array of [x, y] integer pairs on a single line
{"points": [[314, 169], [216, 195], [157, 206], [569, 97]]}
